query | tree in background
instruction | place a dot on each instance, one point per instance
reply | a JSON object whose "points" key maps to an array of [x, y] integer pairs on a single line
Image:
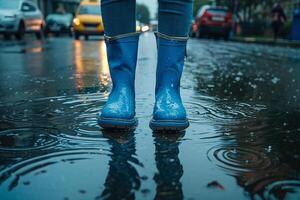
{"points": [[143, 13], [198, 4]]}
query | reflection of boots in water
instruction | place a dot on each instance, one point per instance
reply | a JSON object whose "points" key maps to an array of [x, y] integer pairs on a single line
{"points": [[119, 111], [169, 112], [122, 179], [168, 185]]}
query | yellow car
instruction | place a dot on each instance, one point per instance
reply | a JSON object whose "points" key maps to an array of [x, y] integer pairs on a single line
{"points": [[88, 20]]}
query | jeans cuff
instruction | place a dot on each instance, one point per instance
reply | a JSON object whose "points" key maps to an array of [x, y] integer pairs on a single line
{"points": [[112, 38], [173, 38]]}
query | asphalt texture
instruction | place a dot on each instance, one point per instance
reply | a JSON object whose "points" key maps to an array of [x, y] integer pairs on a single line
{"points": [[243, 102]]}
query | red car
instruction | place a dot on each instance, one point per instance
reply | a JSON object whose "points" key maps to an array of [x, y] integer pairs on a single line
{"points": [[212, 20]]}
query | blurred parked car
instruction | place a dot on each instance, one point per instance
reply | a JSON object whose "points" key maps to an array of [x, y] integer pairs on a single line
{"points": [[18, 17], [59, 23], [88, 20], [212, 20], [140, 27]]}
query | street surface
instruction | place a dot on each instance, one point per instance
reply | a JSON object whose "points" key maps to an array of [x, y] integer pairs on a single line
{"points": [[243, 102]]}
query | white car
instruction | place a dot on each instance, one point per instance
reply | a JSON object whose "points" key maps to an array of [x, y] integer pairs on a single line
{"points": [[59, 23], [18, 17]]}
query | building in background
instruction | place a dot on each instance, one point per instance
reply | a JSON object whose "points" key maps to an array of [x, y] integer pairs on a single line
{"points": [[50, 6]]}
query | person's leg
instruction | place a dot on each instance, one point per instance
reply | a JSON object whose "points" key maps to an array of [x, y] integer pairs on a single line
{"points": [[118, 16], [175, 17], [122, 46], [173, 27]]}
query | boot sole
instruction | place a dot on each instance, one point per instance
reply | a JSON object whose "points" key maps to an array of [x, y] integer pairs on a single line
{"points": [[114, 123], [169, 125]]}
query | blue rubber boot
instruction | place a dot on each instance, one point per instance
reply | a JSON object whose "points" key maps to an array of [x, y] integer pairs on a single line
{"points": [[169, 113], [119, 111]]}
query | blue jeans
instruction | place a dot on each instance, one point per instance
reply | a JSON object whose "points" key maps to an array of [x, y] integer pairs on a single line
{"points": [[174, 17]]}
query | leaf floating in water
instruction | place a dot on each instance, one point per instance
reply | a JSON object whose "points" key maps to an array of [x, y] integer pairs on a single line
{"points": [[82, 191], [215, 185]]}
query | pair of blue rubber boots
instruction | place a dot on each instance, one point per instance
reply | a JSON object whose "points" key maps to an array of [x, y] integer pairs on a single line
{"points": [[169, 113]]}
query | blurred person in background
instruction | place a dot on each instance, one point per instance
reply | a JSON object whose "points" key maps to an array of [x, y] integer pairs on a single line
{"points": [[174, 20], [278, 19]]}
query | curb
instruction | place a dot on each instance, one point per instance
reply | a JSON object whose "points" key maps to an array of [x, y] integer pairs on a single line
{"points": [[279, 42]]}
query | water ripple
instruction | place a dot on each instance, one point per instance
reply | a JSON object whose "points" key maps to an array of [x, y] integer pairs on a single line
{"points": [[222, 111], [284, 189], [26, 139], [274, 188], [236, 159], [12, 177], [74, 116]]}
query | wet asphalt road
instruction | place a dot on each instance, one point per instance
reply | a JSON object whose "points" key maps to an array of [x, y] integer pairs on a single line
{"points": [[243, 102]]}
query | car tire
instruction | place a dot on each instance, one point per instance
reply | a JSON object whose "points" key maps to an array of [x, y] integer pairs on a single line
{"points": [[77, 36], [70, 33], [39, 35], [226, 36], [6, 36], [216, 37], [192, 34], [21, 31], [46, 32], [199, 34]]}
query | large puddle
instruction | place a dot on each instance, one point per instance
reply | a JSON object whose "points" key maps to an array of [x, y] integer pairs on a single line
{"points": [[243, 103]]}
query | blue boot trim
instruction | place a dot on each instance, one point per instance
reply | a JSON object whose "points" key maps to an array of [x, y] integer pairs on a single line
{"points": [[169, 112], [119, 110], [169, 125], [114, 123]]}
